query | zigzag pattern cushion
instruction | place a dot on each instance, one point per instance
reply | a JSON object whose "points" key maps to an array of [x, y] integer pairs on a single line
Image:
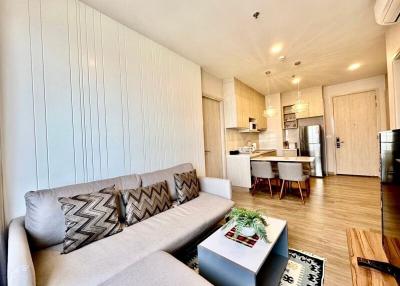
{"points": [[144, 202], [89, 217], [187, 186]]}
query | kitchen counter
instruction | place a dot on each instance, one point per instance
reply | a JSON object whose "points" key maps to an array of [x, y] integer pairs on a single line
{"points": [[238, 166]]}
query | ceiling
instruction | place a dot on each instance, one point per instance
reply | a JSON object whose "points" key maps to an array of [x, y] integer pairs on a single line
{"points": [[226, 41]]}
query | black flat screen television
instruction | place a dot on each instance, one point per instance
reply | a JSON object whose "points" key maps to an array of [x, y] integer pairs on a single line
{"points": [[389, 146], [389, 150]]}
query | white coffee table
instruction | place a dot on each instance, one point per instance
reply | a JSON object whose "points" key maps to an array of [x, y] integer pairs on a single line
{"points": [[223, 261]]}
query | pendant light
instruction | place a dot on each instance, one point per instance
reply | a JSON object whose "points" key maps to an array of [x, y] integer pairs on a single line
{"points": [[300, 105], [270, 111]]}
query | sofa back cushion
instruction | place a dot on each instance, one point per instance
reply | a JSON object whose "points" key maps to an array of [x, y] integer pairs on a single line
{"points": [[44, 219], [166, 175]]}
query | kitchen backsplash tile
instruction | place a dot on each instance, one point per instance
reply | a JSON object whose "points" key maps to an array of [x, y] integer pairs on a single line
{"points": [[235, 139]]}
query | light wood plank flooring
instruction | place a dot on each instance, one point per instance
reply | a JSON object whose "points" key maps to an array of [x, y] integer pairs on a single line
{"points": [[319, 226]]}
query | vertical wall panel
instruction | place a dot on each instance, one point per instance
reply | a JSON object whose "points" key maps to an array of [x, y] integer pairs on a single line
{"points": [[38, 93], [86, 93], [101, 108], [18, 129], [57, 90], [124, 95], [73, 35], [135, 66], [93, 97], [86, 98], [112, 86]]}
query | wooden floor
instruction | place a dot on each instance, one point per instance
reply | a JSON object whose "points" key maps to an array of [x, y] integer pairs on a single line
{"points": [[319, 226]]}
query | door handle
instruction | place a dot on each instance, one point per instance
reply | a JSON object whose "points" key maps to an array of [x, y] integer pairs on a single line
{"points": [[338, 142], [207, 151]]}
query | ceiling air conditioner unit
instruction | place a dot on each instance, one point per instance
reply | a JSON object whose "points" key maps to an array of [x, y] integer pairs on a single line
{"points": [[387, 12]]}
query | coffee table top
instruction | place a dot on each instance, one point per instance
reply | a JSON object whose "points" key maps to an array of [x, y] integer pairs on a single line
{"points": [[251, 258]]}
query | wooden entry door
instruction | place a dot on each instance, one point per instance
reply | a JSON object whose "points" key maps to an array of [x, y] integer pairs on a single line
{"points": [[212, 137], [356, 134]]}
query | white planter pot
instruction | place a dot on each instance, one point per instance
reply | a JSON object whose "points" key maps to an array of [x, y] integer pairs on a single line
{"points": [[248, 231]]}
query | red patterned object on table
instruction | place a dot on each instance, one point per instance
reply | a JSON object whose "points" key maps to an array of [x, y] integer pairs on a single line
{"points": [[245, 240]]}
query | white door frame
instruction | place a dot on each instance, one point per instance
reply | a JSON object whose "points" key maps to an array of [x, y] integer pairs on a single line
{"points": [[333, 118], [222, 120]]}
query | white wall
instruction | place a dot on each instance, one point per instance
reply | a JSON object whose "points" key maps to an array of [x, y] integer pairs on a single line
{"points": [[211, 86], [377, 83], [86, 98], [392, 49], [272, 138]]}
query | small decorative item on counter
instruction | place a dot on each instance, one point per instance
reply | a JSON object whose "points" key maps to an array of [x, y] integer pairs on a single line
{"points": [[247, 223]]}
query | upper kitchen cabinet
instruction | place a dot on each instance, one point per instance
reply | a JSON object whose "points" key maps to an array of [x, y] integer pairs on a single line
{"points": [[312, 96], [241, 103]]}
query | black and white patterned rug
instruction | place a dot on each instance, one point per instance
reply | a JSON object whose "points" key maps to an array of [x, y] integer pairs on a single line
{"points": [[303, 268]]}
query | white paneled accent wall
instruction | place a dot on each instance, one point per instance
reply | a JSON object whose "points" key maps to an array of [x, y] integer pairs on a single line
{"points": [[86, 98]]}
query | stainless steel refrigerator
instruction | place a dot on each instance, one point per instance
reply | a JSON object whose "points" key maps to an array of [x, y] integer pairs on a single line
{"points": [[311, 144]]}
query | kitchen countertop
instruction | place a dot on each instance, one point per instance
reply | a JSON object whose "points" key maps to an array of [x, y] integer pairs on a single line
{"points": [[299, 159], [254, 154]]}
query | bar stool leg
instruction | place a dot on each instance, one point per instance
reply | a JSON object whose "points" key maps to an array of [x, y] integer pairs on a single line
{"points": [[308, 186], [270, 187], [283, 186], [253, 188], [301, 192]]}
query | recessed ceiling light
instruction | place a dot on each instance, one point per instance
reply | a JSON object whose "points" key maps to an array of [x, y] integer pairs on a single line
{"points": [[276, 48], [296, 80], [354, 66]]}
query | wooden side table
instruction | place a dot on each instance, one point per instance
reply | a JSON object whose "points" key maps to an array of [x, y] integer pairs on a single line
{"points": [[368, 245]]}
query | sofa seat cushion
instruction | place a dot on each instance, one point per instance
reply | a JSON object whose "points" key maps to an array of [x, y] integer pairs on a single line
{"points": [[100, 260], [159, 268]]}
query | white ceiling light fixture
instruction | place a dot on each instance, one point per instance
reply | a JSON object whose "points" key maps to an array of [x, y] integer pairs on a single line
{"points": [[296, 80], [300, 105], [276, 48], [270, 111], [354, 66]]}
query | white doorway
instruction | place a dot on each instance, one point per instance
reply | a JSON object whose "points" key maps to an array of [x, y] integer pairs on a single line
{"points": [[356, 134], [213, 137]]}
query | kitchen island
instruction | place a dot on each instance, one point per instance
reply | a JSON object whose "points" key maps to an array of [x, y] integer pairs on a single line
{"points": [[238, 167]]}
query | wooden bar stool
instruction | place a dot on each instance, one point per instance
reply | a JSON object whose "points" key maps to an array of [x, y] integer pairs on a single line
{"points": [[292, 172], [261, 170]]}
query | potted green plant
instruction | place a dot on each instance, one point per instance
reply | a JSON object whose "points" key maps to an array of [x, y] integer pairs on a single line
{"points": [[247, 223]]}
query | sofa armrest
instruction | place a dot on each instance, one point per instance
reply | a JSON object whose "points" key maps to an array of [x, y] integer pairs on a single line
{"points": [[216, 186], [20, 270]]}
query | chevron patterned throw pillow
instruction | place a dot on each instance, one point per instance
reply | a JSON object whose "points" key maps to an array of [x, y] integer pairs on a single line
{"points": [[89, 217], [144, 202], [187, 186]]}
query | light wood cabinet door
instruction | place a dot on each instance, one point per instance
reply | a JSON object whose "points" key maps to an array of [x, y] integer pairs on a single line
{"points": [[242, 105], [316, 105], [261, 120]]}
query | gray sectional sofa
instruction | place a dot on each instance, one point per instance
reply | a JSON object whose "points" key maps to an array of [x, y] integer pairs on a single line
{"points": [[35, 241]]}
